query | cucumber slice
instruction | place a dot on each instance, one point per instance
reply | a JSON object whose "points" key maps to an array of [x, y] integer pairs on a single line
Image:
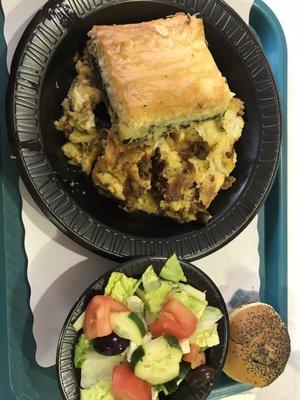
{"points": [[139, 323], [137, 355], [157, 361], [128, 325], [130, 350], [172, 386], [172, 341]]}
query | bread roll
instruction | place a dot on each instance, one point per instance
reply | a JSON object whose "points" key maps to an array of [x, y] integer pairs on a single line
{"points": [[259, 345]]}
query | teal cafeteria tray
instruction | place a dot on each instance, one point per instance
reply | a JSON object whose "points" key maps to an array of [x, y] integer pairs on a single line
{"points": [[20, 376]]}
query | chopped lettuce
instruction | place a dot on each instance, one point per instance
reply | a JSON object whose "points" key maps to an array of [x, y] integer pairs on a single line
{"points": [[120, 287], [78, 324], [147, 338], [208, 318], [155, 299], [150, 279], [150, 317], [154, 392], [206, 333], [207, 338], [134, 303], [100, 391], [141, 294], [195, 305], [80, 351], [172, 270], [130, 350], [97, 367], [191, 291]]}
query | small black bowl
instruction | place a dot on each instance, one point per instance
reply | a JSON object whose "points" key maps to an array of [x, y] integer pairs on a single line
{"points": [[41, 74], [68, 376]]}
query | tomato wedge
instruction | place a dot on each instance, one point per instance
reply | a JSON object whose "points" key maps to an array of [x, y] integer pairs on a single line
{"points": [[97, 316], [175, 319], [195, 356], [127, 386]]}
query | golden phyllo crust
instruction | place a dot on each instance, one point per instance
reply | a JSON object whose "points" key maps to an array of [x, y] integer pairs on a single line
{"points": [[158, 75], [170, 147]]}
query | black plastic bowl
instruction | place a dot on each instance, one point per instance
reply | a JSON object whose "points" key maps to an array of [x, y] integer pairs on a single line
{"points": [[68, 376], [41, 74]]}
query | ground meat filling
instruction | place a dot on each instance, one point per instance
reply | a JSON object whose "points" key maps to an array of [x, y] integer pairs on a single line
{"points": [[144, 167], [177, 175], [189, 168], [133, 190], [201, 149], [159, 183], [175, 189]]}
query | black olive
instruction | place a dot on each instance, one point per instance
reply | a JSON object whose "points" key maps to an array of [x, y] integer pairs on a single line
{"points": [[110, 345], [201, 376]]}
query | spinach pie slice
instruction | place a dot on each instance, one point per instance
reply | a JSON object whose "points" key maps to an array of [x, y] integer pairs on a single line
{"points": [[158, 75]]}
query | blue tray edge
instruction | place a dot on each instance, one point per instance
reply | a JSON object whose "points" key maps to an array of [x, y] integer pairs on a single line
{"points": [[276, 204], [5, 387], [273, 280]]}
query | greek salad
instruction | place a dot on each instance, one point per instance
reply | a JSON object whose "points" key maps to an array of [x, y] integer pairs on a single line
{"points": [[145, 336]]}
